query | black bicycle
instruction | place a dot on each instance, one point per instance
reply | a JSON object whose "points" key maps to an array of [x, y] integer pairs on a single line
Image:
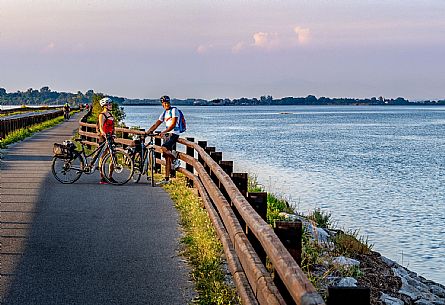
{"points": [[66, 115], [143, 157], [69, 163]]}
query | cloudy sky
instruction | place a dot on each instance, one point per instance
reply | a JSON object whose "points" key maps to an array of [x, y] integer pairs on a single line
{"points": [[225, 48]]}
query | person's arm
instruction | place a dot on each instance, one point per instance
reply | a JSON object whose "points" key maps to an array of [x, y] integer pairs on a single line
{"points": [[101, 124], [154, 126]]}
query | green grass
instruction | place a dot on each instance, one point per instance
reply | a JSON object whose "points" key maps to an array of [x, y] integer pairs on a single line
{"points": [[202, 247], [24, 133], [351, 243], [321, 219]]}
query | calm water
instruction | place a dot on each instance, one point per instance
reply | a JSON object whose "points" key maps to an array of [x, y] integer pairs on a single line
{"points": [[380, 170]]}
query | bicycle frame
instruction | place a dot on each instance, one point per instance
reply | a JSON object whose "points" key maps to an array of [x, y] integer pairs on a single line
{"points": [[116, 167], [91, 166], [144, 152]]}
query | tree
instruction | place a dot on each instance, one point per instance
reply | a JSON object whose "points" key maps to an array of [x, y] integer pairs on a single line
{"points": [[118, 112], [44, 89]]}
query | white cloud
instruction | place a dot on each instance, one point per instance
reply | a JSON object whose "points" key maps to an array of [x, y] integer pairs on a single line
{"points": [[201, 49], [302, 34], [238, 47], [49, 48], [275, 41]]}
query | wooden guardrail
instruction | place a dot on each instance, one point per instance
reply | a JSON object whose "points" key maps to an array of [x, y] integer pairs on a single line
{"points": [[10, 124], [28, 109], [246, 237]]}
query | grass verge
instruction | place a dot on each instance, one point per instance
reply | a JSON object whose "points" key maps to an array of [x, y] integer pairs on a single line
{"points": [[24, 133], [202, 247]]}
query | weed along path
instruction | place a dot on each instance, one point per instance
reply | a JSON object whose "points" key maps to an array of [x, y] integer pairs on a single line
{"points": [[84, 243]]}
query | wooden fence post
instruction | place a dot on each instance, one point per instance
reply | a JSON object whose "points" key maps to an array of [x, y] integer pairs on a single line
{"points": [[190, 152], [202, 144], [258, 201], [349, 296], [217, 156], [227, 167], [209, 150], [240, 180], [289, 233]]}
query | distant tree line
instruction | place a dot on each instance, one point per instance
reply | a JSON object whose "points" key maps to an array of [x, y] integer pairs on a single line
{"points": [[45, 96]]}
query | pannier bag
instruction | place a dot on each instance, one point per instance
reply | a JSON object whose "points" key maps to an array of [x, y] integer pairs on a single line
{"points": [[64, 150]]}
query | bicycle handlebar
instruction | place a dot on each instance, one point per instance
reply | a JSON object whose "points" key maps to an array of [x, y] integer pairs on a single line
{"points": [[156, 133]]}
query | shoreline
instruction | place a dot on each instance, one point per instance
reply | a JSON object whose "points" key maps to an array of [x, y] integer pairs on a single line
{"points": [[390, 283]]}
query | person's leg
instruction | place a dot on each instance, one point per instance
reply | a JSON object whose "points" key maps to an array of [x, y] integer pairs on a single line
{"points": [[168, 156], [168, 162], [102, 179]]}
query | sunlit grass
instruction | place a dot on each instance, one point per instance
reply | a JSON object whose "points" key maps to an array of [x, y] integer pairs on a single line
{"points": [[202, 247]]}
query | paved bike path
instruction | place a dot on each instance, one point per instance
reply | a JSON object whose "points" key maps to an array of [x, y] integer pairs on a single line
{"points": [[84, 243]]}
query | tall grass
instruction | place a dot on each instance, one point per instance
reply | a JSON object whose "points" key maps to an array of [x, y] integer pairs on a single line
{"points": [[202, 247]]}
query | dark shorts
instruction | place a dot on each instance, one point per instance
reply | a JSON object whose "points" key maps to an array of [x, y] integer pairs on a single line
{"points": [[171, 141]]}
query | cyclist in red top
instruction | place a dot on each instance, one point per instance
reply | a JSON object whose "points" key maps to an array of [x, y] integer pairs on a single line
{"points": [[106, 127]]}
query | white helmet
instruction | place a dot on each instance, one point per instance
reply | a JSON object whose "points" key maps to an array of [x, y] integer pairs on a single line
{"points": [[104, 101]]}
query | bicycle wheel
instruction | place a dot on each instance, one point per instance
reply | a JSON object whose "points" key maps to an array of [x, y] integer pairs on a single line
{"points": [[67, 170], [117, 167], [138, 168], [151, 166]]}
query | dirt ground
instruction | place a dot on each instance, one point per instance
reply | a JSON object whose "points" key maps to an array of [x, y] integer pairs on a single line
{"points": [[378, 277]]}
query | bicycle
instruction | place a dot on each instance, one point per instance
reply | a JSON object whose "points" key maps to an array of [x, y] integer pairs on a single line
{"points": [[66, 115], [69, 164], [144, 158]]}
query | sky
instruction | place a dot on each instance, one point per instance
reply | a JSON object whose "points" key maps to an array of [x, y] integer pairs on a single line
{"points": [[225, 48]]}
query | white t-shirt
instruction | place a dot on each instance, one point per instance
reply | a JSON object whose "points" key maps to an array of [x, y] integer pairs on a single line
{"points": [[167, 117]]}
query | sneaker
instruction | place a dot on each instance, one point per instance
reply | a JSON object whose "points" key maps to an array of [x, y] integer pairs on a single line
{"points": [[176, 164], [163, 182], [103, 181]]}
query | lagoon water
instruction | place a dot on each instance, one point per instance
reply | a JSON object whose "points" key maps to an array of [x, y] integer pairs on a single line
{"points": [[376, 169]]}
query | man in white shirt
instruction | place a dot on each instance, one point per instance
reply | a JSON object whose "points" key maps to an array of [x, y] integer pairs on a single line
{"points": [[171, 133]]}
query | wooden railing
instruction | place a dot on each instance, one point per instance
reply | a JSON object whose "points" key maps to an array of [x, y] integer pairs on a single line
{"points": [[10, 124], [246, 237], [20, 109]]}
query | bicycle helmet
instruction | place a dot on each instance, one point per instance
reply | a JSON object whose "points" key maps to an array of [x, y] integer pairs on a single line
{"points": [[165, 99], [104, 101]]}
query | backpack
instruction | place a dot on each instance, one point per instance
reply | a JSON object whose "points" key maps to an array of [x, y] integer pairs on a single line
{"points": [[182, 126]]}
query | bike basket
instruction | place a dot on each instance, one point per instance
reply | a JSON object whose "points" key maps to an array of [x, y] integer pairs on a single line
{"points": [[64, 150]]}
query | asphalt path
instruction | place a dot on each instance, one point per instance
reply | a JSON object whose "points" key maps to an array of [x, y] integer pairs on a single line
{"points": [[84, 243]]}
